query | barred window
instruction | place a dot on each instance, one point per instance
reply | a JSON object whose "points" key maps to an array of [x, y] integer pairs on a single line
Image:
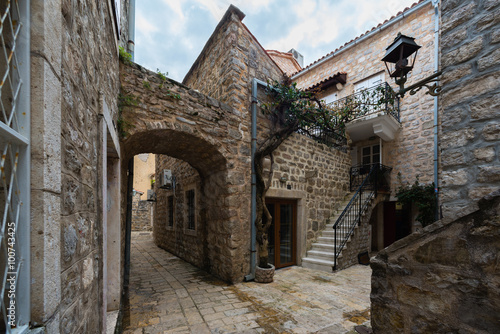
{"points": [[190, 206], [14, 167]]}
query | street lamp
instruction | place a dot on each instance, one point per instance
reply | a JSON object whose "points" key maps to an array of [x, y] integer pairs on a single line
{"points": [[399, 59]]}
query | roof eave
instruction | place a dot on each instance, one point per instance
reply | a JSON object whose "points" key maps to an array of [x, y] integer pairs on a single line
{"points": [[361, 38]]}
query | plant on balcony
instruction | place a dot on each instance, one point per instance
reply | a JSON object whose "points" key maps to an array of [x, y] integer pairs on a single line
{"points": [[366, 102], [290, 110]]}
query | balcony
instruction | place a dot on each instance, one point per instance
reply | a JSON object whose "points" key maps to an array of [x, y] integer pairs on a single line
{"points": [[373, 111]]}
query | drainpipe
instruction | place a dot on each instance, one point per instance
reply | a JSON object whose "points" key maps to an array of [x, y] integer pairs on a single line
{"points": [[436, 68], [131, 28], [253, 205]]}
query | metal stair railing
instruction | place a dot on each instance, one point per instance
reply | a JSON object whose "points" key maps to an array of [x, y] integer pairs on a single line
{"points": [[351, 216]]}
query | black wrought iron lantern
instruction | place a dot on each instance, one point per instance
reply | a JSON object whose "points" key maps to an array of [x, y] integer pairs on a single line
{"points": [[399, 59], [400, 56]]}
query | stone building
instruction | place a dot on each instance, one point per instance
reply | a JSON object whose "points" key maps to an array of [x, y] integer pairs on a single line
{"points": [[144, 173], [397, 134], [311, 181], [445, 278], [144, 180], [67, 162], [61, 100]]}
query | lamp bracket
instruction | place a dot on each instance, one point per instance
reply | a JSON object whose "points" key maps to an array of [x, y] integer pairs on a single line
{"points": [[432, 89]]}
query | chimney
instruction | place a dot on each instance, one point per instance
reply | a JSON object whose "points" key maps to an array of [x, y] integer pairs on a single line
{"points": [[298, 57]]}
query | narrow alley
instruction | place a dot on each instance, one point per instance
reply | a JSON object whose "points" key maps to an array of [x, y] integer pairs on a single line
{"points": [[168, 295]]}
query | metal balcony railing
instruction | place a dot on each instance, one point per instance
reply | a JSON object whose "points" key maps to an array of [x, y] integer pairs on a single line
{"points": [[374, 100], [330, 138]]}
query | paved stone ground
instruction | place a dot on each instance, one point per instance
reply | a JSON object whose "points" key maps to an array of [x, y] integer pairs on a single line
{"points": [[168, 295]]}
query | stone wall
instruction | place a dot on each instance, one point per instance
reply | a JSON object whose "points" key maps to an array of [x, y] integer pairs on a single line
{"points": [[312, 173], [144, 173], [74, 78], [190, 245], [470, 128], [141, 214], [317, 175], [444, 279], [411, 152], [229, 61], [169, 118], [89, 74]]}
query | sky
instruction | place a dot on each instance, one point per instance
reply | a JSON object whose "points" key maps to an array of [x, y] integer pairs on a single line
{"points": [[170, 34]]}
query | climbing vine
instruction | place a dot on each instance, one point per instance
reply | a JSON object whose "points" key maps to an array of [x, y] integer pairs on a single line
{"points": [[122, 124], [290, 110], [124, 56], [423, 196], [163, 79]]}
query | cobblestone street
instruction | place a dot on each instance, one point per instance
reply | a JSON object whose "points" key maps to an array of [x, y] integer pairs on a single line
{"points": [[168, 295]]}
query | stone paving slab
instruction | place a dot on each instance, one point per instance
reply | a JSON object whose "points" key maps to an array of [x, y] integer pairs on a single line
{"points": [[168, 295]]}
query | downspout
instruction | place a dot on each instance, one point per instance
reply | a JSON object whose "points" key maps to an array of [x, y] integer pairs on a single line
{"points": [[253, 203], [131, 28], [436, 69]]}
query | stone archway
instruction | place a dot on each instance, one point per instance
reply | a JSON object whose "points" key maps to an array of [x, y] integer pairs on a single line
{"points": [[162, 116]]}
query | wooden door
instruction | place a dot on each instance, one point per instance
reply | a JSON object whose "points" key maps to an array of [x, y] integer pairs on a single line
{"points": [[283, 232], [389, 223]]}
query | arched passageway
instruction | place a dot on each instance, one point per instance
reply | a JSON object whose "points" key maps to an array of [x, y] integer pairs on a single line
{"points": [[161, 116]]}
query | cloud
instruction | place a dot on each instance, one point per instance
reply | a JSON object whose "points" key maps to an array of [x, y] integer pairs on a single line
{"points": [[170, 34], [176, 7]]}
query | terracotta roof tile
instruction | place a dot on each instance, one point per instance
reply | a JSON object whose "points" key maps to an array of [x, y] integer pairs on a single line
{"points": [[339, 77], [285, 61], [360, 36]]}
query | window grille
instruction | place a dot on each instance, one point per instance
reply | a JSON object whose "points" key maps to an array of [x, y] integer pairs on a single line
{"points": [[190, 209], [14, 166]]}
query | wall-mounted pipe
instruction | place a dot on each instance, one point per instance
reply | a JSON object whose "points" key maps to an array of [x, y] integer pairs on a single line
{"points": [[436, 68], [253, 203], [131, 28]]}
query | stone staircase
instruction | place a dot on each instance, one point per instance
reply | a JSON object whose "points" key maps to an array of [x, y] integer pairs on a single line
{"points": [[321, 255]]}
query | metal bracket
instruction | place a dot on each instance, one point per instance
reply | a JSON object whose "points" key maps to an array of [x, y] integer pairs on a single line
{"points": [[432, 89]]}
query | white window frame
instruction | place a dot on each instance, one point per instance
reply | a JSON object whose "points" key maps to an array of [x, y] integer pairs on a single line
{"points": [[369, 82], [15, 143], [330, 98], [371, 155]]}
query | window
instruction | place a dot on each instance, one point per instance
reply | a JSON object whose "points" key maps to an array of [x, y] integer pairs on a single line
{"points": [[117, 10], [370, 154], [330, 98], [14, 167], [190, 207], [370, 82], [170, 211]]}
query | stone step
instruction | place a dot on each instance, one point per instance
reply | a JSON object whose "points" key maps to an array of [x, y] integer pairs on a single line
{"points": [[321, 255], [331, 233], [329, 241], [323, 247], [317, 264]]}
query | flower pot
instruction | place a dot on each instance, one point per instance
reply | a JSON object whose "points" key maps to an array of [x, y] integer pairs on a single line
{"points": [[264, 275]]}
